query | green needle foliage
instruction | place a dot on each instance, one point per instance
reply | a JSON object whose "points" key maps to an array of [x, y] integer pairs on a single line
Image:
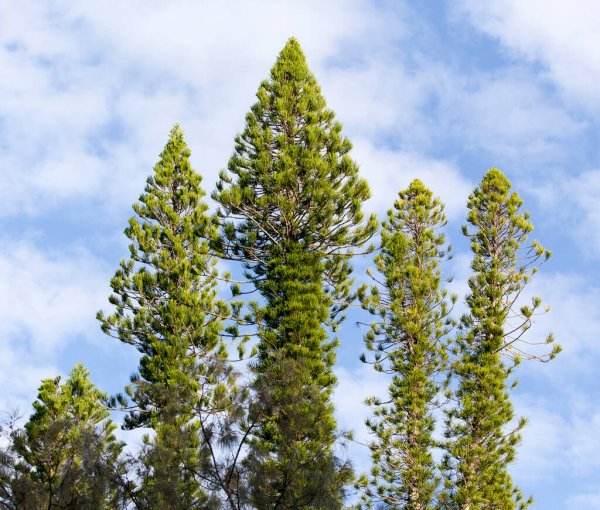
{"points": [[66, 456], [482, 437], [407, 343], [166, 306], [293, 200]]}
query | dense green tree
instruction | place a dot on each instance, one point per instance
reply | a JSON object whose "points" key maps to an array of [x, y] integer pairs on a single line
{"points": [[407, 341], [66, 456], [166, 306], [482, 436], [292, 198]]}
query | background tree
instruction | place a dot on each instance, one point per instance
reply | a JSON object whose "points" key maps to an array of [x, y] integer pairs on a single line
{"points": [[166, 306], [7, 458], [293, 200], [481, 436], [66, 456], [407, 342]]}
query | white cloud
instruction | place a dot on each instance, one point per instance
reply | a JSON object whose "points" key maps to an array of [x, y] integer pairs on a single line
{"points": [[573, 316], [570, 201], [20, 380], [46, 300], [511, 116], [414, 104], [555, 443], [583, 191], [559, 399], [354, 385], [542, 452], [91, 90], [382, 99], [77, 72], [584, 450], [563, 36], [48, 296], [389, 171]]}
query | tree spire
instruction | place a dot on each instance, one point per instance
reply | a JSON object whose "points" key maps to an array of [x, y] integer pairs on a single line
{"points": [[292, 201], [407, 344], [165, 305], [481, 441]]}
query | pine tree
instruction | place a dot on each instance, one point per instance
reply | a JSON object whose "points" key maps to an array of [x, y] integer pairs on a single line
{"points": [[66, 456], [166, 306], [293, 200], [482, 438], [407, 342]]}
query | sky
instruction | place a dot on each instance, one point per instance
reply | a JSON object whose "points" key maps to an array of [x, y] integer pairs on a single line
{"points": [[432, 89]]}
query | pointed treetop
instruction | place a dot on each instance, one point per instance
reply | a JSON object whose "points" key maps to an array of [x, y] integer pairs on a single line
{"points": [[176, 146], [291, 66], [495, 179], [291, 157], [292, 45], [419, 199], [417, 184], [291, 52], [416, 187], [176, 131], [493, 194]]}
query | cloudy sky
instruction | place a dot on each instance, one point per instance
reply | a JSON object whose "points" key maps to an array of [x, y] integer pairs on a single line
{"points": [[424, 88]]}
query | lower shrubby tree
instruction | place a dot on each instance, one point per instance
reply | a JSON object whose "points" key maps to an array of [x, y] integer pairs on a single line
{"points": [[482, 434], [7, 460], [66, 456], [407, 341]]}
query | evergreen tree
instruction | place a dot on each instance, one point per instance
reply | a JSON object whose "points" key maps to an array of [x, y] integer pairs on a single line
{"points": [[293, 200], [482, 440], [66, 456], [166, 306], [407, 342]]}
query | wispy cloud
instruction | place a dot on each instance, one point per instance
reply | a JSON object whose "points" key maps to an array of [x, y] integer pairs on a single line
{"points": [[90, 91], [46, 301], [561, 36], [389, 171]]}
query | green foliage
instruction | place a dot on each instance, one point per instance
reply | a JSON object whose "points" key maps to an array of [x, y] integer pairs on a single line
{"points": [[66, 456], [291, 204], [291, 180], [293, 200], [482, 437], [166, 306], [291, 460], [407, 343]]}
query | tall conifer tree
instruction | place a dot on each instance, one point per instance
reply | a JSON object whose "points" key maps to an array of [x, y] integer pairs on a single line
{"points": [[66, 456], [407, 342], [293, 197], [166, 307], [482, 440]]}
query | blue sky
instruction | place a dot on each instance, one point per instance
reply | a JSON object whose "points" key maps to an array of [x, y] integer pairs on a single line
{"points": [[430, 89]]}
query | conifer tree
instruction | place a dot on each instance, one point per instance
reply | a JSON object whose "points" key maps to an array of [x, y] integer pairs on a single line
{"points": [[66, 456], [407, 342], [293, 200], [482, 439], [166, 306]]}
